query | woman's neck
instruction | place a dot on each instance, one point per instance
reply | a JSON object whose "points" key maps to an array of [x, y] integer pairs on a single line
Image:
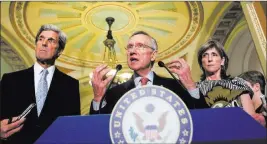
{"points": [[213, 77]]}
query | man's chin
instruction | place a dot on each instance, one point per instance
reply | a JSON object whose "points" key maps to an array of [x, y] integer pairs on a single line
{"points": [[132, 68], [42, 60], [45, 61]]}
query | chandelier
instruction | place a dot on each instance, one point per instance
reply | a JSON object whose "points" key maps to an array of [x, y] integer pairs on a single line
{"points": [[109, 57], [109, 52]]}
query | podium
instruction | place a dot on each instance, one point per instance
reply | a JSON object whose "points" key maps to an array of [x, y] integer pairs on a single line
{"points": [[219, 125]]}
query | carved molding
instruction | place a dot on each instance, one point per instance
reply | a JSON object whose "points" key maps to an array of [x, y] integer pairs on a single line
{"points": [[228, 22], [11, 57], [255, 21]]}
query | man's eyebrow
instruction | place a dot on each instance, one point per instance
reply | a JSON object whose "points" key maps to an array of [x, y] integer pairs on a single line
{"points": [[138, 42], [51, 38]]}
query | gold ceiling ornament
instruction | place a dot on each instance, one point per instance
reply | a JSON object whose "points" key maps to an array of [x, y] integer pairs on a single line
{"points": [[109, 58], [110, 53], [173, 24]]}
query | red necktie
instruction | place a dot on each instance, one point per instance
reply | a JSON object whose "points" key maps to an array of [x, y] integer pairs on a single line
{"points": [[144, 81]]}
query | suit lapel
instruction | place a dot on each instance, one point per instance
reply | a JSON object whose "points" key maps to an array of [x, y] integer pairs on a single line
{"points": [[157, 80], [130, 84], [29, 75], [29, 88]]}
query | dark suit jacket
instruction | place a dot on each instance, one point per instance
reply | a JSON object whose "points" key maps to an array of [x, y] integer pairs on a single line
{"points": [[115, 93], [17, 93]]}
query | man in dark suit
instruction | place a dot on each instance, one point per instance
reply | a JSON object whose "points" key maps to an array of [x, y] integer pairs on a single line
{"points": [[55, 93], [141, 54]]}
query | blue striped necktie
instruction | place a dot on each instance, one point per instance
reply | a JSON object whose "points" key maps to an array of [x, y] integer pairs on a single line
{"points": [[42, 90]]}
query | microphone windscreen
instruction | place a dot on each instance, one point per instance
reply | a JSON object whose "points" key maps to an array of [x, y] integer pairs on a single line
{"points": [[161, 64], [118, 67]]}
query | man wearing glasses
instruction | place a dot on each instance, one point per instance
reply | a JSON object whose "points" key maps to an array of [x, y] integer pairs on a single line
{"points": [[141, 50], [54, 93]]}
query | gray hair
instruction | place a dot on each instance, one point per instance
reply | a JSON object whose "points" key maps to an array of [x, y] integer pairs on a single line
{"points": [[153, 41], [50, 27]]}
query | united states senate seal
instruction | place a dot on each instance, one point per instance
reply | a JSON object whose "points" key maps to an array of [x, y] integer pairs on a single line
{"points": [[150, 114]]}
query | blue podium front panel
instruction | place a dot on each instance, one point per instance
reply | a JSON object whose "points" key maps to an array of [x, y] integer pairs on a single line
{"points": [[209, 125]]}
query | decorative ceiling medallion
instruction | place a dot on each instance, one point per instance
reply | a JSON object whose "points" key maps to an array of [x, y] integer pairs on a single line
{"points": [[173, 24], [93, 18]]}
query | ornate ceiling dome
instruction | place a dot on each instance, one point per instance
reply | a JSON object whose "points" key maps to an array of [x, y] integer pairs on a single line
{"points": [[173, 24]]}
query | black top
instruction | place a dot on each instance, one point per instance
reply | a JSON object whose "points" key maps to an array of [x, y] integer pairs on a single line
{"points": [[259, 109]]}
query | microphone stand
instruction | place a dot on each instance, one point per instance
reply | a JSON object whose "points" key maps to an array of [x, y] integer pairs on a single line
{"points": [[161, 64], [118, 68]]}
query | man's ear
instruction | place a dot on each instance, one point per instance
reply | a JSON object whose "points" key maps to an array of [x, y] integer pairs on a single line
{"points": [[257, 87], [59, 52], [154, 55]]}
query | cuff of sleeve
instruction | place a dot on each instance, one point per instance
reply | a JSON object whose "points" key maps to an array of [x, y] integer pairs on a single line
{"points": [[194, 93], [96, 105]]}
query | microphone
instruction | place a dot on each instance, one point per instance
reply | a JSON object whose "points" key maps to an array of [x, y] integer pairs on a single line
{"points": [[161, 64], [118, 68]]}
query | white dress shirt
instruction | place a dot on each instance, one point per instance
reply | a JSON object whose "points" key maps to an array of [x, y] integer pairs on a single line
{"points": [[137, 79], [37, 75]]}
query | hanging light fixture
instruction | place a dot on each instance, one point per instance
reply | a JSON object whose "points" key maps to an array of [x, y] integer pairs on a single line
{"points": [[109, 52], [109, 57]]}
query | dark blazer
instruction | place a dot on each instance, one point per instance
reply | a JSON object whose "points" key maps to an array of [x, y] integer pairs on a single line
{"points": [[115, 93], [17, 93]]}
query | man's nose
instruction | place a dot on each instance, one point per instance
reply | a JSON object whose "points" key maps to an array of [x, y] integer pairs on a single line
{"points": [[44, 42], [132, 50]]}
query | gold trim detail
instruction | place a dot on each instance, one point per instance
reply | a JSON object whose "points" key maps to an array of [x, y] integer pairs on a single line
{"points": [[256, 23]]}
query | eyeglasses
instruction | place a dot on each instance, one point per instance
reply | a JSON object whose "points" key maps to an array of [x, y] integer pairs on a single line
{"points": [[138, 46]]}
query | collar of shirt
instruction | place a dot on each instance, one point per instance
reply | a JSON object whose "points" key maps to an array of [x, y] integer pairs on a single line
{"points": [[38, 73], [137, 79]]}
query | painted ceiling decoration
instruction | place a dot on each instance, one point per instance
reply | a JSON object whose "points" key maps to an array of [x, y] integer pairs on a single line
{"points": [[86, 28], [12, 57], [229, 20]]}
